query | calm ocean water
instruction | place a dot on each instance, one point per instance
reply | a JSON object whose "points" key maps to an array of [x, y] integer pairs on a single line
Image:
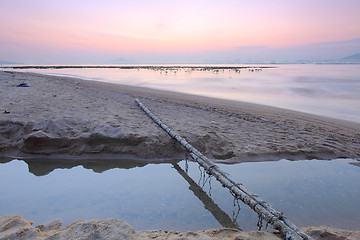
{"points": [[179, 196], [327, 90]]}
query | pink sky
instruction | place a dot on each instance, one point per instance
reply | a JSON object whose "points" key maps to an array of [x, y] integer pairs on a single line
{"points": [[92, 31]]}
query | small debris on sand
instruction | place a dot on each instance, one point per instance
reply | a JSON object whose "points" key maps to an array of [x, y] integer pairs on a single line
{"points": [[23, 85]]}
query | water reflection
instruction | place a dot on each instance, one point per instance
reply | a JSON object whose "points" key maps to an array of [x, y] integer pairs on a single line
{"points": [[209, 204], [156, 196], [44, 166]]}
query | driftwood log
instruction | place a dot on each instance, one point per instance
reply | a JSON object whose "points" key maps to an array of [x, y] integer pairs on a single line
{"points": [[263, 209]]}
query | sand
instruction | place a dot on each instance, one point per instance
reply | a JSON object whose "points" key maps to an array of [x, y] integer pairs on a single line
{"points": [[73, 119], [16, 227], [62, 117]]}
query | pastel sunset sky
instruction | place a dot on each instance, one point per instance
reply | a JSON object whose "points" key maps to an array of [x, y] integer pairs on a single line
{"points": [[186, 31]]}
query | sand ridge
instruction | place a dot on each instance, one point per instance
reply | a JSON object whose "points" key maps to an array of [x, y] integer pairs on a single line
{"points": [[16, 227], [68, 117]]}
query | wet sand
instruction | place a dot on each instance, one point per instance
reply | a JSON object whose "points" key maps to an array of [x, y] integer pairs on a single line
{"points": [[68, 118]]}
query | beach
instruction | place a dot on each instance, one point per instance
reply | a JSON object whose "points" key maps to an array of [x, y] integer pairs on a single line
{"points": [[68, 118]]}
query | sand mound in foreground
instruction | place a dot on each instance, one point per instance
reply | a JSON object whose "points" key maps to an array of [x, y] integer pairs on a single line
{"points": [[16, 227]]}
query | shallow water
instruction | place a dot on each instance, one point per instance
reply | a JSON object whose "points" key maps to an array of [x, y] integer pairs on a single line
{"points": [[328, 90], [179, 196]]}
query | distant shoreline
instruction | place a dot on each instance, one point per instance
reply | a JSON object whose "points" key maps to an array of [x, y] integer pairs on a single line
{"points": [[140, 66], [155, 66]]}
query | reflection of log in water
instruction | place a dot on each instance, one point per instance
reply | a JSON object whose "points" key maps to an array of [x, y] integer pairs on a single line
{"points": [[263, 209], [209, 204]]}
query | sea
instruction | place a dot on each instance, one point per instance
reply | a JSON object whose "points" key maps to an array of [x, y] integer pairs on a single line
{"points": [[330, 90]]}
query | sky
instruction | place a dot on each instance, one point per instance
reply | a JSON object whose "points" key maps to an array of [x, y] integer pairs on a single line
{"points": [[186, 31]]}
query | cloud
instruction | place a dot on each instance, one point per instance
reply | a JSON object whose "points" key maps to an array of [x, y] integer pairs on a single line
{"points": [[355, 40]]}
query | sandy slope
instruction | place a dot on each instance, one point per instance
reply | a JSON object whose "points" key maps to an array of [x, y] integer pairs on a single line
{"points": [[62, 117]]}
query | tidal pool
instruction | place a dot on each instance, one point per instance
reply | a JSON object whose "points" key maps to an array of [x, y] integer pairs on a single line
{"points": [[178, 195]]}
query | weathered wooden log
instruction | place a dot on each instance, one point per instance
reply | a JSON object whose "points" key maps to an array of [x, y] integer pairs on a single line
{"points": [[263, 209]]}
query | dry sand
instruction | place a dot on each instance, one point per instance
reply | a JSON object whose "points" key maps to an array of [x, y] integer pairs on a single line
{"points": [[67, 118], [16, 227]]}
